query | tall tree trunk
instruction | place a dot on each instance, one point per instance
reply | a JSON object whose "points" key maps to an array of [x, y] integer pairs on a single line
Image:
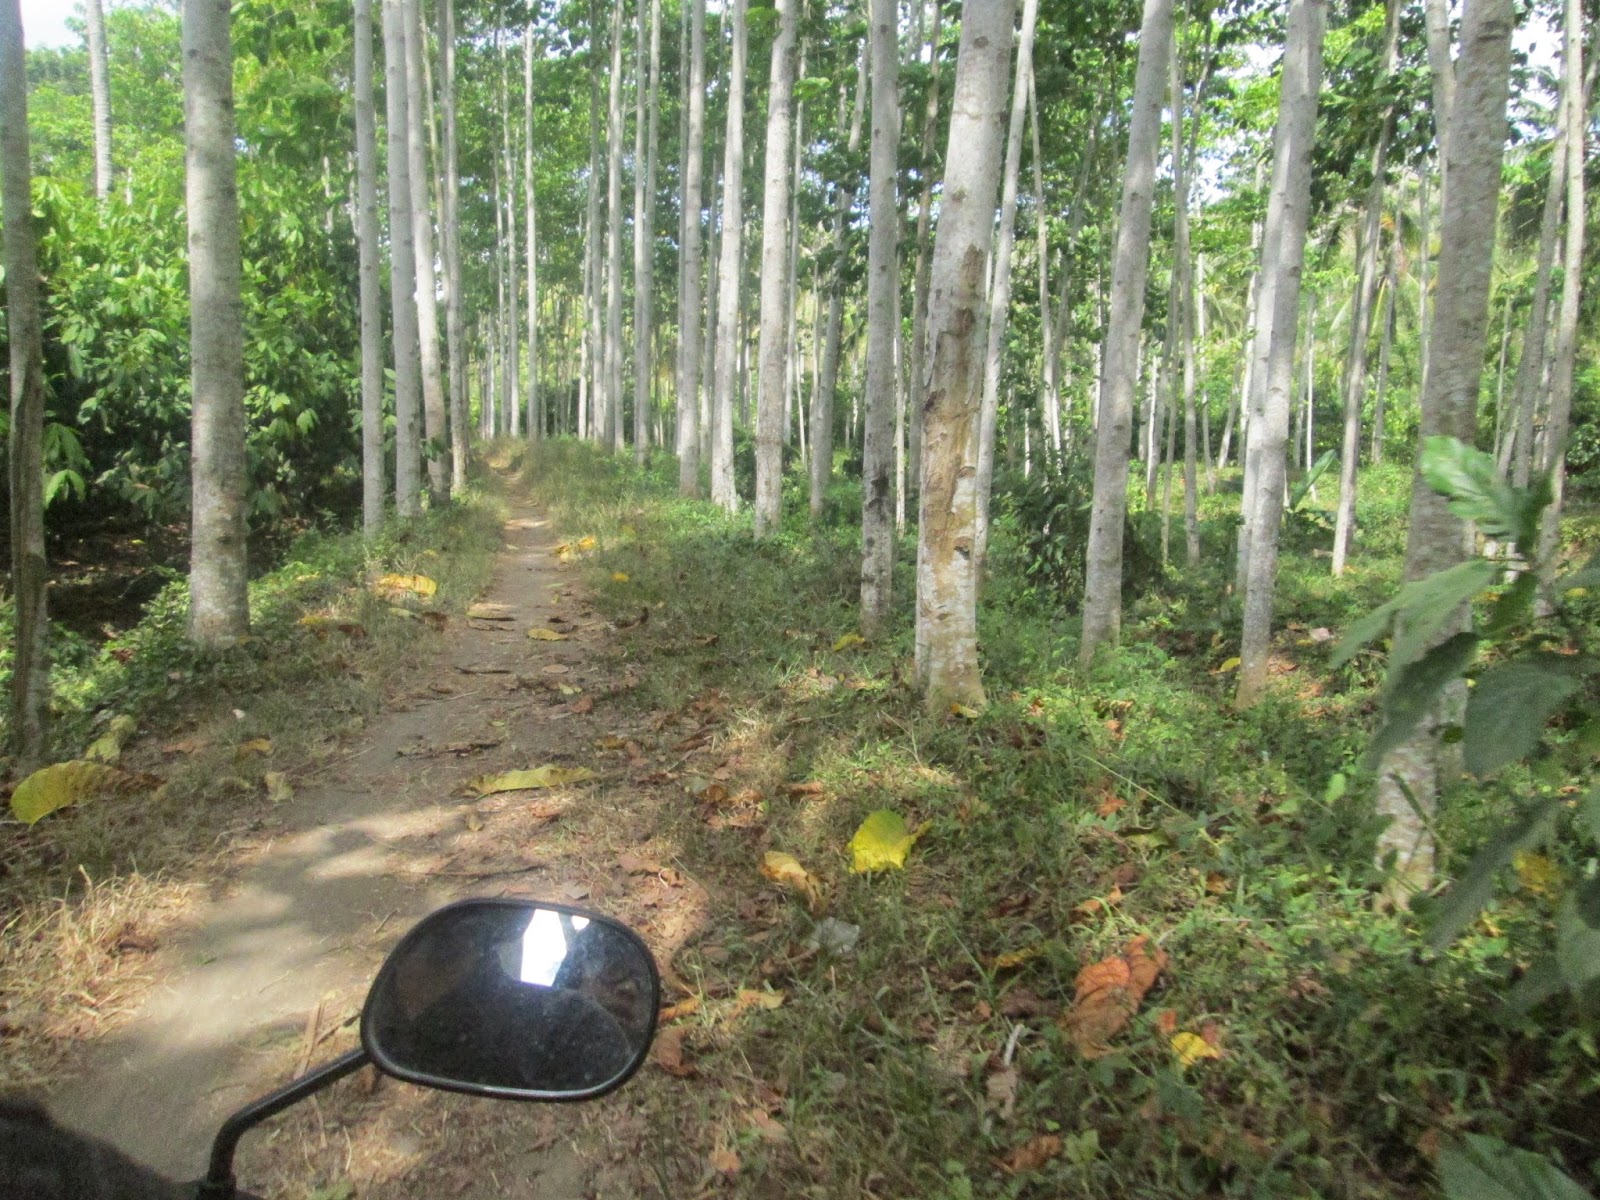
{"points": [[530, 218], [1183, 291], [510, 316], [30, 666], [219, 595], [883, 319], [911, 447], [1253, 417], [1385, 346], [100, 98], [951, 400], [1408, 776], [402, 272], [646, 143], [1355, 369], [450, 227], [1102, 602], [730, 241], [828, 377], [1564, 360], [1291, 198], [372, 481], [435, 428], [775, 273], [613, 356], [689, 377], [591, 369], [999, 302]]}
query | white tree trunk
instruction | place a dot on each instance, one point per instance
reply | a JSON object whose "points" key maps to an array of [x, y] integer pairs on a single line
{"points": [[646, 144], [530, 217], [435, 428], [450, 222], [1102, 602], [689, 327], [372, 481], [883, 319], [775, 273], [947, 559], [1408, 776], [730, 241], [612, 391], [402, 272], [100, 97], [908, 442], [1291, 205], [30, 664]]}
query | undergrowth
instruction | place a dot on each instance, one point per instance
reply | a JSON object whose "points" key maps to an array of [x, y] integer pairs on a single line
{"points": [[1080, 810]]}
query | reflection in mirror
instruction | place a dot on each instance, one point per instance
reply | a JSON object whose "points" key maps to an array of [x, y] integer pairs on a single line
{"points": [[514, 997]]}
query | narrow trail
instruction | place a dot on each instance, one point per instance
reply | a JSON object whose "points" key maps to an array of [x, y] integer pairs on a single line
{"points": [[272, 972]]}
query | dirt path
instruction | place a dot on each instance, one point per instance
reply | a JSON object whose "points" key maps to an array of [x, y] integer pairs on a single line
{"points": [[273, 972]]}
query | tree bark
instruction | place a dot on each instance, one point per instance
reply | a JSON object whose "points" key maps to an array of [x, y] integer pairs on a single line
{"points": [[1291, 198], [1409, 775], [689, 328], [506, 248], [402, 272], [219, 596], [646, 143], [450, 228], [100, 98], [591, 369], [613, 357], [952, 399], [910, 449], [435, 428], [1102, 603], [531, 240], [30, 667], [883, 320], [1355, 370], [775, 273], [1385, 346], [730, 241], [371, 299]]}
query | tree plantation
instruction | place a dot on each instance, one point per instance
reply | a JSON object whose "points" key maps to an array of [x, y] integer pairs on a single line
{"points": [[1050, 549]]}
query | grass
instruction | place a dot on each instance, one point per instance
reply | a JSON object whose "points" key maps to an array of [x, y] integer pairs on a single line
{"points": [[90, 890], [1081, 810]]}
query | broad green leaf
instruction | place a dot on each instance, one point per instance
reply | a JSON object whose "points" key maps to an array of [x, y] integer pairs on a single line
{"points": [[107, 748], [1469, 895], [1472, 483], [532, 777], [1587, 576], [1507, 710], [882, 842], [1423, 606], [1578, 935], [1512, 607], [1485, 1168], [57, 786], [1590, 808], [1416, 687], [1303, 489]]}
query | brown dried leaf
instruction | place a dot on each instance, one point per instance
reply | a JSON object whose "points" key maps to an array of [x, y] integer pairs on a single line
{"points": [[1031, 1155], [1108, 993], [725, 1161], [668, 1053]]}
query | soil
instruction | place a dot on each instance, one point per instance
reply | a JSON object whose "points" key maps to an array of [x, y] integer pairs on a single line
{"points": [[271, 976]]}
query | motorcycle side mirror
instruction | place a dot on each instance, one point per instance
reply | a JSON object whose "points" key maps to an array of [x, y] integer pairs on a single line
{"points": [[514, 999]]}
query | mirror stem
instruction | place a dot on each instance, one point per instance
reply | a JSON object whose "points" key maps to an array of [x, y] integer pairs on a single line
{"points": [[219, 1182]]}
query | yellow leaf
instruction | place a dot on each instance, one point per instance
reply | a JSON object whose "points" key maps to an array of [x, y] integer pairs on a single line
{"points": [[533, 777], [53, 787], [277, 785], [1015, 958], [1538, 873], [490, 612], [883, 841], [848, 640], [749, 998], [406, 613], [1228, 664], [785, 870], [965, 710], [586, 543], [1191, 1048], [258, 745], [619, 577], [396, 586], [540, 634], [107, 748]]}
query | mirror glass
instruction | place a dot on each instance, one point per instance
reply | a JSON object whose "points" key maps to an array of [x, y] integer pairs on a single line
{"points": [[514, 998]]}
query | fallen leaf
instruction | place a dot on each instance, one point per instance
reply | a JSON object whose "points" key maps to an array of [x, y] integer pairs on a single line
{"points": [[1191, 1048], [724, 1160], [766, 1128], [258, 745], [619, 577], [540, 634], [668, 1053], [1228, 664], [1013, 959], [397, 587], [848, 640], [1001, 1089], [882, 842], [403, 613], [749, 998], [965, 710], [1167, 1022], [107, 748], [1111, 805], [277, 785], [1108, 993], [674, 1012], [532, 777], [183, 746], [579, 707], [60, 785], [490, 612], [1031, 1155], [786, 871]]}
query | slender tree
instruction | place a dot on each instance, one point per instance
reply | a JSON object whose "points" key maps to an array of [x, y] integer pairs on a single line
{"points": [[1102, 603], [775, 273], [371, 301], [30, 667], [450, 230], [1409, 775], [402, 271], [728, 337], [947, 558], [883, 295], [646, 150], [689, 377], [1288, 215], [908, 441], [100, 97], [611, 434], [530, 218], [435, 427]]}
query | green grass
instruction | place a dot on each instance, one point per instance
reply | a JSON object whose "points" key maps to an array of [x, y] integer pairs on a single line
{"points": [[1348, 1050]]}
